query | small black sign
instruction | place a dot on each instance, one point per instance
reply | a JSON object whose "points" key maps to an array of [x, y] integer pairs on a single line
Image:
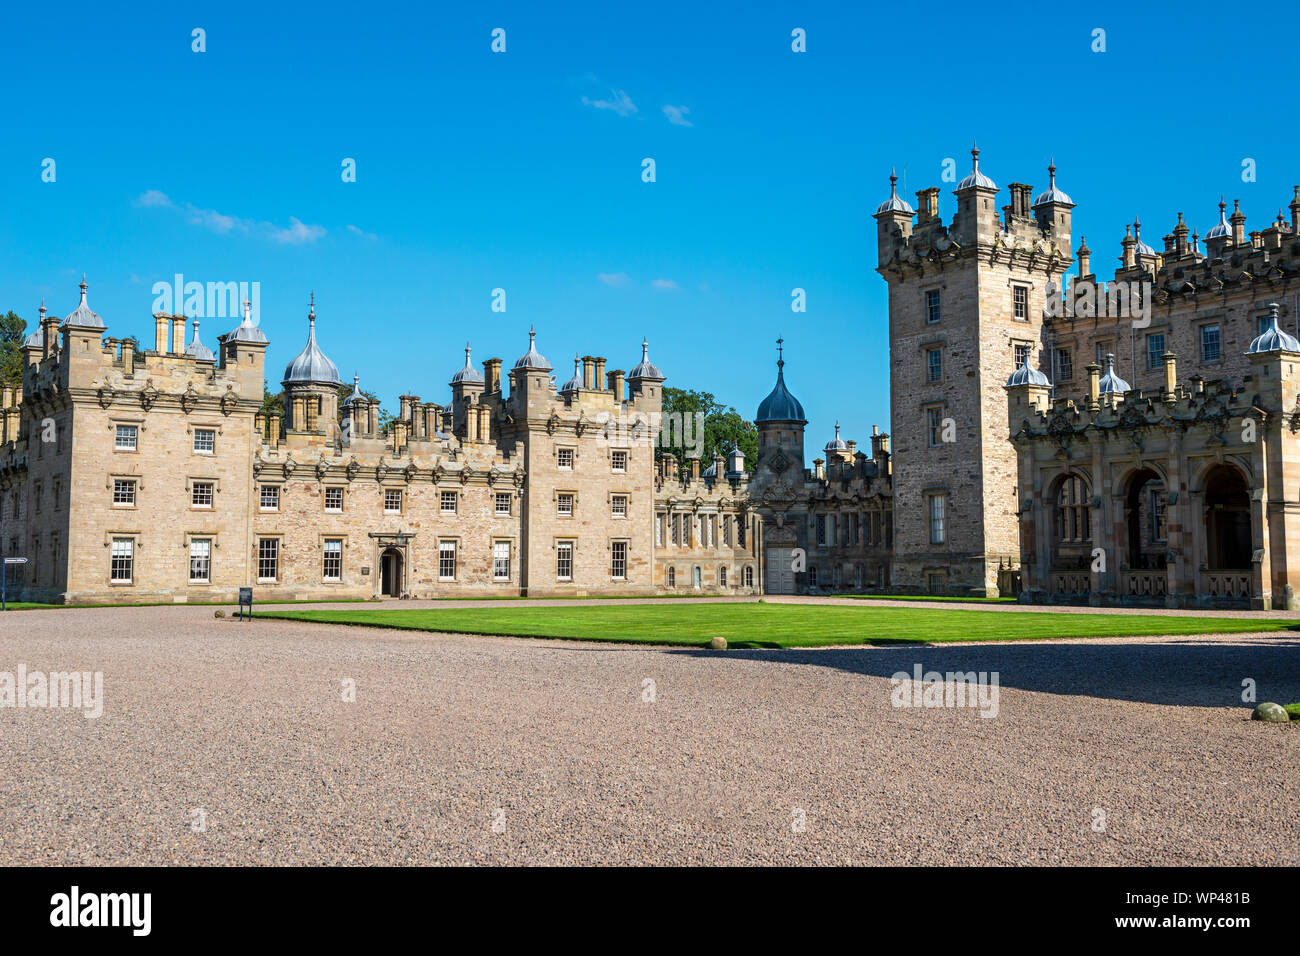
{"points": [[245, 601]]}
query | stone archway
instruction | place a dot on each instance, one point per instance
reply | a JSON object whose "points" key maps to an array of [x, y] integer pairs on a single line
{"points": [[1227, 519]]}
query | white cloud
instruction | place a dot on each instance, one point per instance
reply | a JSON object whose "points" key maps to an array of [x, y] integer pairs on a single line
{"points": [[613, 278], [665, 284], [358, 231], [152, 197], [620, 103], [296, 233], [677, 115]]}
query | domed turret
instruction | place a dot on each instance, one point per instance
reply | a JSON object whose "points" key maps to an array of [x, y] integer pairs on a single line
{"points": [[1110, 383], [1273, 339], [246, 330], [976, 178], [467, 374], [780, 405], [575, 383], [894, 203], [196, 349], [82, 317], [837, 443], [1027, 375], [311, 366], [1052, 193], [532, 360], [1221, 229], [646, 370]]}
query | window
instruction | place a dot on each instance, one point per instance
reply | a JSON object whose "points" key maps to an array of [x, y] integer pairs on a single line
{"points": [[446, 560], [268, 559], [269, 500], [1103, 349], [618, 506], [334, 499], [672, 577], [201, 494], [503, 502], [332, 568], [674, 526], [933, 365], [564, 459], [1158, 515], [1022, 353], [501, 560], [812, 576], [127, 438], [564, 505], [821, 529], [1155, 349], [447, 502], [122, 566], [1210, 343], [937, 530], [618, 559], [934, 426], [392, 501], [722, 576], [740, 532], [1073, 517], [933, 310], [726, 530], [1064, 365], [205, 440], [618, 460], [200, 560], [749, 576], [698, 578], [1020, 299], [564, 560], [123, 493]]}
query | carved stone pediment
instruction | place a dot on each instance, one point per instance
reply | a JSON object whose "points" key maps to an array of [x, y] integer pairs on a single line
{"points": [[148, 395], [410, 472], [106, 396], [381, 470], [352, 468], [322, 467], [465, 474], [289, 466], [228, 401], [582, 424], [519, 478], [552, 423], [190, 399]]}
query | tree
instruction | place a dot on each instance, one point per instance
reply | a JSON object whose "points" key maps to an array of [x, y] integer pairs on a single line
{"points": [[12, 332], [724, 428]]}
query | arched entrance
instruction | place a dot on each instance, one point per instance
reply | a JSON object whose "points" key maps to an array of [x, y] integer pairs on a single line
{"points": [[390, 573], [1145, 521], [1227, 519]]}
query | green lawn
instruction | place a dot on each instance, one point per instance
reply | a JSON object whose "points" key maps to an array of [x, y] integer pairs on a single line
{"points": [[928, 597], [779, 625], [28, 606]]}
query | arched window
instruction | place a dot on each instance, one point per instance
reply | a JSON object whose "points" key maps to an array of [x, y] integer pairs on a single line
{"points": [[1073, 512], [672, 577], [699, 578], [722, 576], [749, 576]]}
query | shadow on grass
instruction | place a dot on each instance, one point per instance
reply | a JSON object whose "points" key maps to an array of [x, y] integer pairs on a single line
{"points": [[1175, 673]]}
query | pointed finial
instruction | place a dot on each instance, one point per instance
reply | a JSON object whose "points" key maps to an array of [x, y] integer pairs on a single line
{"points": [[311, 309], [42, 308], [645, 349], [356, 381], [975, 155], [467, 365], [893, 183], [248, 311], [1051, 172]]}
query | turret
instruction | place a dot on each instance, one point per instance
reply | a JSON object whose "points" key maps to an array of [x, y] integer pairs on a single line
{"points": [[311, 387], [780, 422]]}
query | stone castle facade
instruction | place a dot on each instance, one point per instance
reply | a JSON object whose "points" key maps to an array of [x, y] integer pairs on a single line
{"points": [[1021, 460]]}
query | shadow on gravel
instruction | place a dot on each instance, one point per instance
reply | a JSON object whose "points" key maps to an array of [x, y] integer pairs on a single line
{"points": [[1184, 673]]}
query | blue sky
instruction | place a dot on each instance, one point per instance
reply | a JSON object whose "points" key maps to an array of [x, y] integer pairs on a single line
{"points": [[522, 170]]}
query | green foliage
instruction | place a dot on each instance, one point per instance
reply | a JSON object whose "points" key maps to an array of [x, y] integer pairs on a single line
{"points": [[12, 332], [724, 427], [272, 403]]}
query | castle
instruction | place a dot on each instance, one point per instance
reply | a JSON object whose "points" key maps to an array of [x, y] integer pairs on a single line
{"points": [[1002, 477]]}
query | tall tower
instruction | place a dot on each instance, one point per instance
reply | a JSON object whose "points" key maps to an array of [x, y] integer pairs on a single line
{"points": [[311, 387], [966, 305]]}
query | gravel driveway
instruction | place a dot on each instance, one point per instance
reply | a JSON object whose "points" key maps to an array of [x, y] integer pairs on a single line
{"points": [[487, 750]]}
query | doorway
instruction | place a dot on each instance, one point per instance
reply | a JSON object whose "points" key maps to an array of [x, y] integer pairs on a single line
{"points": [[390, 573]]}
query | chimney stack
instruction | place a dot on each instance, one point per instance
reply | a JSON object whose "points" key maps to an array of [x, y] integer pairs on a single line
{"points": [[161, 322], [178, 334]]}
